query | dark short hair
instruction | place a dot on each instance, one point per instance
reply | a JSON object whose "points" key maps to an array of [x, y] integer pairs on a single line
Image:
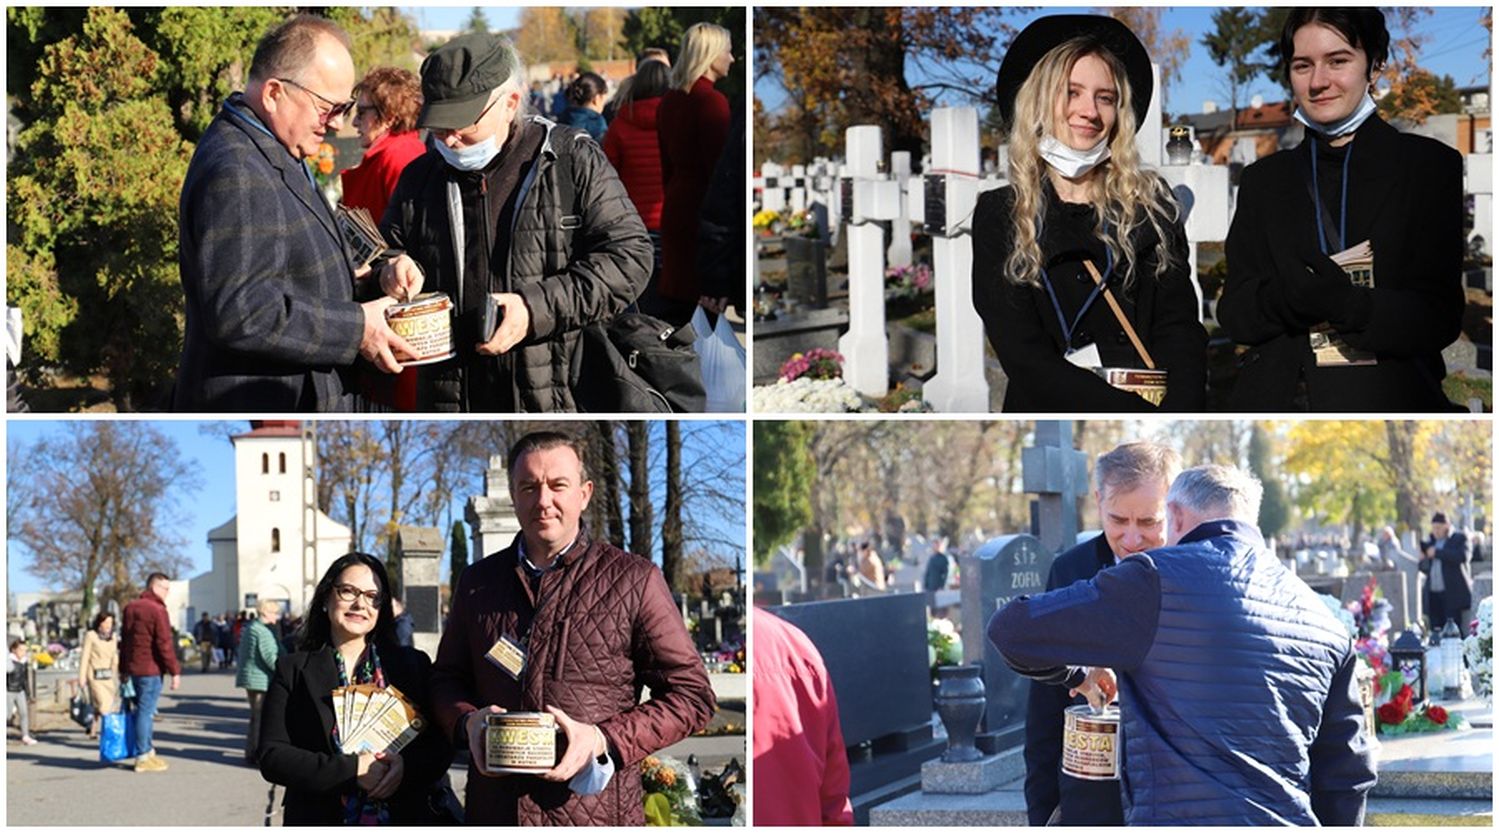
{"points": [[104, 614], [1363, 27], [317, 631], [152, 579], [585, 88], [652, 79], [396, 93], [15, 642], [545, 441], [290, 47]]}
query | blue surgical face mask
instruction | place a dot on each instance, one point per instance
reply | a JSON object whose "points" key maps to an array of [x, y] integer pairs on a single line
{"points": [[1069, 161], [1343, 126], [472, 157]]}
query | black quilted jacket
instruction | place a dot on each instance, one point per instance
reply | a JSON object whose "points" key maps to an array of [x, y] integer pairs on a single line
{"points": [[605, 626]]}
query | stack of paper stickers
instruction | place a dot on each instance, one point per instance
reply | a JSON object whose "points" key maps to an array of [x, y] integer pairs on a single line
{"points": [[374, 719], [361, 233]]}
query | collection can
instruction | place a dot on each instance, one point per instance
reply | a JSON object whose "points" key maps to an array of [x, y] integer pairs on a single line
{"points": [[1090, 743], [522, 742], [426, 322]]}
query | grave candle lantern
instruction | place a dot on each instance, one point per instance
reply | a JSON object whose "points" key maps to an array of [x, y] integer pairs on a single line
{"points": [[1408, 655]]}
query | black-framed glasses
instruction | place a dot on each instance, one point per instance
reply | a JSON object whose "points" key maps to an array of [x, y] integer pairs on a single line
{"points": [[336, 109], [348, 593]]}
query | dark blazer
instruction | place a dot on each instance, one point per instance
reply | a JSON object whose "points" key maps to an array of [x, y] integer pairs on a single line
{"points": [[1405, 196], [1022, 325], [271, 316], [296, 743], [1081, 802], [1457, 577]]}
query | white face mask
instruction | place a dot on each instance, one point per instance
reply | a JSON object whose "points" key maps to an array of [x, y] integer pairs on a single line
{"points": [[470, 158], [1343, 126], [1070, 162]]}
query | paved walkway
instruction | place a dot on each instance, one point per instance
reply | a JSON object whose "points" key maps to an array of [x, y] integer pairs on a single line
{"points": [[200, 733]]}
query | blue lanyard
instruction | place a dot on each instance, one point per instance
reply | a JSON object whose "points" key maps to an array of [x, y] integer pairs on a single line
{"points": [[252, 121], [1317, 198], [1067, 331]]}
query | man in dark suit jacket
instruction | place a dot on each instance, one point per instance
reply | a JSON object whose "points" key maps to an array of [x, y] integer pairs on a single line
{"points": [[271, 316], [1449, 583], [1130, 486]]}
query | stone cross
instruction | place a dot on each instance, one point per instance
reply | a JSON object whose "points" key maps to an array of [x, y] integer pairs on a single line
{"points": [[421, 556], [798, 188], [1150, 138], [772, 196], [866, 347], [1058, 474], [951, 190], [491, 516], [1479, 168], [1203, 192], [899, 252]]}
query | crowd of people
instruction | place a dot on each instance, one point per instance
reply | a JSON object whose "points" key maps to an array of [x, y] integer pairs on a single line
{"points": [[534, 226]]}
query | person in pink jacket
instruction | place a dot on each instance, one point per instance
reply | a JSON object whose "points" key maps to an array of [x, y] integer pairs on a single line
{"points": [[801, 767]]}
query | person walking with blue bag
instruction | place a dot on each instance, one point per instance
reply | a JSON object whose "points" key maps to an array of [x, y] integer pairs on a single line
{"points": [[146, 653], [99, 668]]}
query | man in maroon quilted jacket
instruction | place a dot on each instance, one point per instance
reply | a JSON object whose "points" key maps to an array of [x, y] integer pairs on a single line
{"points": [[563, 624], [146, 653]]}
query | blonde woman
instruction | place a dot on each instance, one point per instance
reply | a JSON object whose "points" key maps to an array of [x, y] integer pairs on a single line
{"points": [[99, 668], [692, 124], [1082, 238]]}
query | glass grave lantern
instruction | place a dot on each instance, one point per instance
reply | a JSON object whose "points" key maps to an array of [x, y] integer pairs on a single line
{"points": [[1408, 656]]}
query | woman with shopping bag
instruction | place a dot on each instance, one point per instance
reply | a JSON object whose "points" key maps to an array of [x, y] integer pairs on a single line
{"points": [[99, 668]]}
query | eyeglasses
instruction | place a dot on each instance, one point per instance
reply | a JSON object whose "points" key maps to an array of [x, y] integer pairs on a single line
{"points": [[464, 133], [348, 593], [336, 109]]}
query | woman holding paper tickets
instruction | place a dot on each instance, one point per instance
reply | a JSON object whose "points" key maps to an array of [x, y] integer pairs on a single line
{"points": [[1080, 265], [348, 639], [1319, 341]]}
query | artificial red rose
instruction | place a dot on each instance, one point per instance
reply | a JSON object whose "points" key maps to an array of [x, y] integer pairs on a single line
{"points": [[1392, 713], [1405, 697], [1438, 715]]}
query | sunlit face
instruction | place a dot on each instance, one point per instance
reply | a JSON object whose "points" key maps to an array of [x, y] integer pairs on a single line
{"points": [[1329, 76], [369, 121], [298, 113], [1134, 520], [720, 66], [160, 588], [355, 617], [550, 495], [1440, 530], [1088, 109], [106, 626]]}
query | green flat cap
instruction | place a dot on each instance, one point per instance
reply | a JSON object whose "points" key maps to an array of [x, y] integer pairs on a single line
{"points": [[458, 78]]}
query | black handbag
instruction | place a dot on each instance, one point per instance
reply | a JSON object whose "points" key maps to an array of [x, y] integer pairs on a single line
{"points": [[81, 710], [636, 363]]}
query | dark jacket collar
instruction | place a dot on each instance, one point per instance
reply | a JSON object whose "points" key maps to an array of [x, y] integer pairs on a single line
{"points": [[1225, 528], [1102, 552], [294, 174]]}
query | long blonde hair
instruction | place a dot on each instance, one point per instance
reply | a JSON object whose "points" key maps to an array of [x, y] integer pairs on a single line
{"points": [[1124, 195], [701, 46]]}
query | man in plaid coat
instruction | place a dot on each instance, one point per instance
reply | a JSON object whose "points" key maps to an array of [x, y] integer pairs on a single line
{"points": [[272, 324]]}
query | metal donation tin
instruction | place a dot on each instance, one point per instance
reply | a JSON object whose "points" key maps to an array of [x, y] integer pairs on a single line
{"points": [[1090, 743], [522, 742], [426, 323]]}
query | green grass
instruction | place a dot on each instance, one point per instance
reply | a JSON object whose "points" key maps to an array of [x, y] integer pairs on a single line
{"points": [[1426, 820]]}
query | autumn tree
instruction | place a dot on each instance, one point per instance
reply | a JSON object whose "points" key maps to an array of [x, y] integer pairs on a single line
{"points": [[1167, 49], [849, 65], [601, 32], [1415, 93], [96, 503], [663, 26], [1236, 43], [546, 33]]}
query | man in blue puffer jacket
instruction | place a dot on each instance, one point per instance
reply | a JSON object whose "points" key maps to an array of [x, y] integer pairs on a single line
{"points": [[1236, 685]]}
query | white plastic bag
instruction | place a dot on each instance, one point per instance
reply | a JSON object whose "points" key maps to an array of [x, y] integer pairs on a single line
{"points": [[723, 361]]}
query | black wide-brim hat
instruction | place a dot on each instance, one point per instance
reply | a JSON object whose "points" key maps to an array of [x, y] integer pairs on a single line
{"points": [[1047, 33]]}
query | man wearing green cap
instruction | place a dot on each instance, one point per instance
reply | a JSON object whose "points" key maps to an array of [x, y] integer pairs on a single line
{"points": [[511, 209]]}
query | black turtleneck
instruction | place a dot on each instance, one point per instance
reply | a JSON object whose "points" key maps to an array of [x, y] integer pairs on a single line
{"points": [[1330, 161]]}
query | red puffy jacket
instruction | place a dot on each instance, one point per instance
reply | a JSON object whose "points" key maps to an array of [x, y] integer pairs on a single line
{"points": [[146, 648], [635, 152]]}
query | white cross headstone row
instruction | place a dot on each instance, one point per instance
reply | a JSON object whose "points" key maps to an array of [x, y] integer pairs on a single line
{"points": [[798, 188], [1480, 183], [866, 198]]}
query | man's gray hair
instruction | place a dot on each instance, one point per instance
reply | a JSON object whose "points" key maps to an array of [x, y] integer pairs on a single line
{"points": [[515, 83], [1132, 464], [1218, 491]]}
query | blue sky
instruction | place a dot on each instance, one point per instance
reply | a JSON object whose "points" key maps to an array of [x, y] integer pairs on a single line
{"points": [[455, 17], [214, 503], [1454, 46]]}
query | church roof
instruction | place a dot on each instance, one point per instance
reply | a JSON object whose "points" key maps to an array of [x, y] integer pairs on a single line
{"points": [[226, 531], [273, 428]]}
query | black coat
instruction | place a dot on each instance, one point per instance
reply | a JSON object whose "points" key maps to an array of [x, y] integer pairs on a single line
{"points": [[1081, 802], [1457, 576], [568, 278], [271, 317], [296, 742], [1027, 338], [1405, 195]]}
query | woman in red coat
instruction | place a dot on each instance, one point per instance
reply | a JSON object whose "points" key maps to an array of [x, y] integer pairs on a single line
{"points": [[390, 100], [692, 122], [632, 145]]}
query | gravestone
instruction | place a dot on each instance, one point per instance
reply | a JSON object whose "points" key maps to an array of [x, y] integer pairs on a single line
{"points": [[420, 549], [899, 251], [491, 515], [806, 271], [870, 199], [1058, 473], [790, 574], [875, 651], [999, 571]]}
